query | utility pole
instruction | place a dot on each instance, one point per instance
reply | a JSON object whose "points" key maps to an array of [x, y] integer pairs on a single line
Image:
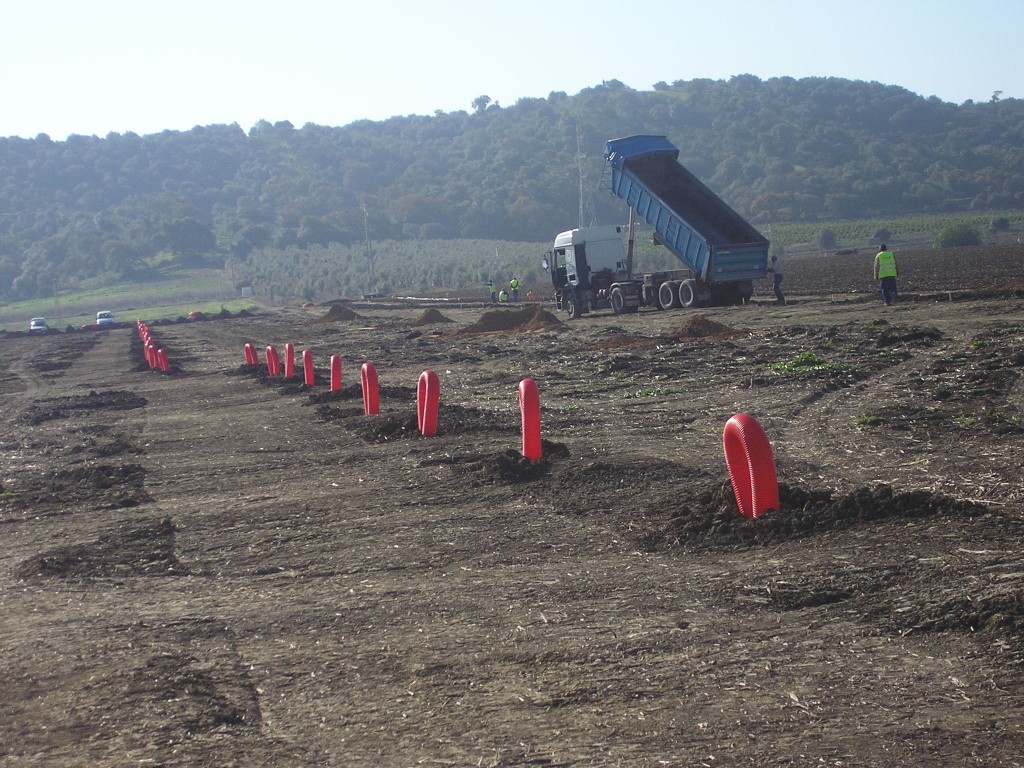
{"points": [[579, 168], [367, 247], [586, 204]]}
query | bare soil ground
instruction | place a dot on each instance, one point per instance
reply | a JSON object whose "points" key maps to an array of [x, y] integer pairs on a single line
{"points": [[215, 567]]}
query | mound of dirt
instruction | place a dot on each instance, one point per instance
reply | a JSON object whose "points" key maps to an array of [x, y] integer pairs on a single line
{"points": [[700, 327], [452, 418], [385, 427], [617, 338], [541, 320], [884, 335], [526, 319], [713, 522], [135, 549], [431, 316], [106, 486], [47, 409], [338, 313], [347, 392], [508, 467]]}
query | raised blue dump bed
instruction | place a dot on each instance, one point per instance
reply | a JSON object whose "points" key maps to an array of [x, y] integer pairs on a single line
{"points": [[695, 224]]}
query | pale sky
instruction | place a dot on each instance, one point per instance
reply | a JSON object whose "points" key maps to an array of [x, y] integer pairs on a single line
{"points": [[102, 66]]}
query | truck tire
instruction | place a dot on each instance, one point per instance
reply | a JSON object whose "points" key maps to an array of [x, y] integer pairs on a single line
{"points": [[688, 293], [667, 295], [618, 301], [571, 305], [746, 290]]}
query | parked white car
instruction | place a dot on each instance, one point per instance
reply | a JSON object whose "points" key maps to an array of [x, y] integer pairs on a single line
{"points": [[38, 325], [105, 317]]}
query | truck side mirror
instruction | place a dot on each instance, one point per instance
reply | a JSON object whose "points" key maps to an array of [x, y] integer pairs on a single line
{"points": [[544, 263]]}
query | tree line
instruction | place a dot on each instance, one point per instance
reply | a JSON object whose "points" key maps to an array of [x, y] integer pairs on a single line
{"points": [[778, 150]]}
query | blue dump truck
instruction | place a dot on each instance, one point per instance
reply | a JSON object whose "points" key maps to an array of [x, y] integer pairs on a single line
{"points": [[720, 252]]}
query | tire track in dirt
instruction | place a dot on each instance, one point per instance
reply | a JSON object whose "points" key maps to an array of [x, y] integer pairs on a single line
{"points": [[829, 437], [912, 426]]}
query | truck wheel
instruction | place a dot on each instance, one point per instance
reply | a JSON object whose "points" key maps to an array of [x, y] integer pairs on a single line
{"points": [[746, 289], [688, 293], [570, 305], [667, 295], [618, 301]]}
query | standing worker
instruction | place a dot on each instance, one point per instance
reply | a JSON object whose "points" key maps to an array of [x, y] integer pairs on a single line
{"points": [[776, 268], [492, 291], [513, 286], [886, 273]]}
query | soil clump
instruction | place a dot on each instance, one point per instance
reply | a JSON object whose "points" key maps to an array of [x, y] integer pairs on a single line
{"points": [[431, 316], [701, 327], [530, 318], [339, 313]]}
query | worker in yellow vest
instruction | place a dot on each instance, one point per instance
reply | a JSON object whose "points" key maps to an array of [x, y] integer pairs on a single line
{"points": [[513, 286], [886, 273]]}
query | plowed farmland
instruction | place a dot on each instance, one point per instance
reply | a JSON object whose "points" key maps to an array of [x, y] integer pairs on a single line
{"points": [[213, 566]]}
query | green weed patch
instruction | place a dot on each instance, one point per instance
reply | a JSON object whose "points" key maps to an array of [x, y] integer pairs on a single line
{"points": [[807, 362]]}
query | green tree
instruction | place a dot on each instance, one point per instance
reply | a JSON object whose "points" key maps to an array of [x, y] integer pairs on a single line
{"points": [[189, 239], [960, 233], [315, 231], [827, 240], [122, 258]]}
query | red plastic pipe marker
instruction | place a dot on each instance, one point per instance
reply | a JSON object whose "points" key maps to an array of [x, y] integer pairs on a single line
{"points": [[529, 411], [428, 397], [371, 390], [162, 361], [307, 368], [748, 454], [251, 358], [273, 361], [335, 373], [289, 360]]}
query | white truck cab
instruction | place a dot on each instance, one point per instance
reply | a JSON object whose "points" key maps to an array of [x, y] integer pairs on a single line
{"points": [[586, 265], [583, 252]]}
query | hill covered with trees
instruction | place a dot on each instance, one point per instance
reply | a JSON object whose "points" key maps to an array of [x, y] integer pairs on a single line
{"points": [[777, 150]]}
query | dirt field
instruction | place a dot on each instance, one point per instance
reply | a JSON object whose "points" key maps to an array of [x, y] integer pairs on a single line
{"points": [[214, 567]]}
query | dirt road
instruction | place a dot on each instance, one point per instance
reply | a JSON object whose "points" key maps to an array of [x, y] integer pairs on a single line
{"points": [[214, 567]]}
